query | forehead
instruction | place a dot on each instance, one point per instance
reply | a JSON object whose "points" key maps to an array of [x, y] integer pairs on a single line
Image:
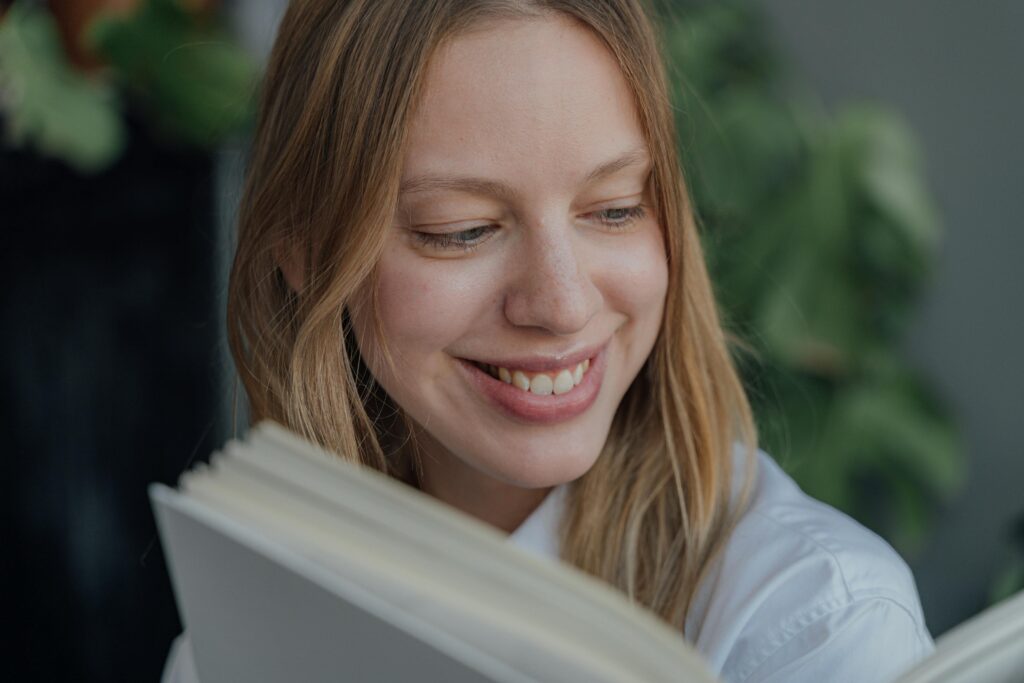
{"points": [[522, 99]]}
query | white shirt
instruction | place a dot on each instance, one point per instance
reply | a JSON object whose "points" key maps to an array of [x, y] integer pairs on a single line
{"points": [[802, 593]]}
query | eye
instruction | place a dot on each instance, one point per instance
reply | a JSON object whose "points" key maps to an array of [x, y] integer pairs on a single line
{"points": [[466, 240], [620, 217]]}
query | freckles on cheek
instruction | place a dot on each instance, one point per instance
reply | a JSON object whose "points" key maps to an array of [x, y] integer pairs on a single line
{"points": [[425, 306]]}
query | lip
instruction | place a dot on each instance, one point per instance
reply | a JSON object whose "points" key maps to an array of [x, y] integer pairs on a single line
{"points": [[531, 408], [556, 361]]}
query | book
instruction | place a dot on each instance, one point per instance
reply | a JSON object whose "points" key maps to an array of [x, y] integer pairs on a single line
{"points": [[290, 563], [987, 648]]}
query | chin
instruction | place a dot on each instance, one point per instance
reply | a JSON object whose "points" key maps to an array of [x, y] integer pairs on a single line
{"points": [[538, 469]]}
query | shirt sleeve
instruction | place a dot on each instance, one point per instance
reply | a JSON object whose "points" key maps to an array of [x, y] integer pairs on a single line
{"points": [[875, 639]]}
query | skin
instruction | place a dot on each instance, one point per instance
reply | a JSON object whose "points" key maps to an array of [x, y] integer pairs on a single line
{"points": [[536, 105]]}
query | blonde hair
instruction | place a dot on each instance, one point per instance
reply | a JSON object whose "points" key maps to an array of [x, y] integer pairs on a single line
{"points": [[653, 512]]}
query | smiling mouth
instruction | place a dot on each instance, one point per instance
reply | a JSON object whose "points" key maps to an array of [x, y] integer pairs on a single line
{"points": [[535, 398], [540, 383]]}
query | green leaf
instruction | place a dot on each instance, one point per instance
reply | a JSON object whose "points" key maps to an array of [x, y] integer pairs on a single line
{"points": [[887, 168], [50, 106], [195, 81]]}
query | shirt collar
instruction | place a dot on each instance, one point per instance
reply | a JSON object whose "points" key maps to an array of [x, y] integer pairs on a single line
{"points": [[538, 533]]}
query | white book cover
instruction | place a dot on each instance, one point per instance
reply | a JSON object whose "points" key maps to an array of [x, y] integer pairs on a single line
{"points": [[291, 564]]}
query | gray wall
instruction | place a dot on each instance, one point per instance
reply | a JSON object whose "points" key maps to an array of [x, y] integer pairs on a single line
{"points": [[954, 71]]}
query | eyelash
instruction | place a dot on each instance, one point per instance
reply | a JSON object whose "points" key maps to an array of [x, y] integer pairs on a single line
{"points": [[449, 240]]}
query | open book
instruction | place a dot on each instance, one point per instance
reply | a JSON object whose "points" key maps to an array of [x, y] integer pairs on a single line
{"points": [[291, 564]]}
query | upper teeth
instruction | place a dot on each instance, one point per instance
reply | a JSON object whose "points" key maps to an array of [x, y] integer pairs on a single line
{"points": [[541, 383]]}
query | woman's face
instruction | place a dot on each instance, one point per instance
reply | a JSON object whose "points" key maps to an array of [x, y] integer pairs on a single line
{"points": [[525, 240]]}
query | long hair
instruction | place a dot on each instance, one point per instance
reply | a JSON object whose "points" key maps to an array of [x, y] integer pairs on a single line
{"points": [[651, 514]]}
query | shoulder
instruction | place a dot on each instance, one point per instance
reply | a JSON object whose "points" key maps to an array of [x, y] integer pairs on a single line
{"points": [[798, 586]]}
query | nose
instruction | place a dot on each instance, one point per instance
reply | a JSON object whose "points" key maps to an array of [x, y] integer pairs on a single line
{"points": [[553, 287]]}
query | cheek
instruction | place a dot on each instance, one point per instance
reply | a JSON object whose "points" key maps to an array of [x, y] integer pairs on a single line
{"points": [[635, 277], [425, 306]]}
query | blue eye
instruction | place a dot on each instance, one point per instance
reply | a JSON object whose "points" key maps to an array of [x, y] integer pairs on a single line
{"points": [[621, 217], [467, 240]]}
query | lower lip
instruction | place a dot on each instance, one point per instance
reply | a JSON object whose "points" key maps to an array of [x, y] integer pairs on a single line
{"points": [[534, 409]]}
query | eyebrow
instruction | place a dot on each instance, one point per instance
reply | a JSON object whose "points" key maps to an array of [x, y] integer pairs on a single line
{"points": [[495, 188]]}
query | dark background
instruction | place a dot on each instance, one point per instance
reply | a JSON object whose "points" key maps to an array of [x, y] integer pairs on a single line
{"points": [[110, 381]]}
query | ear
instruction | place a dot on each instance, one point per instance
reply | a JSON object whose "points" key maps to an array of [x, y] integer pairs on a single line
{"points": [[292, 265]]}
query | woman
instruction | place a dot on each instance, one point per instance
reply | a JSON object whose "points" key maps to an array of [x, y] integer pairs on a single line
{"points": [[466, 258]]}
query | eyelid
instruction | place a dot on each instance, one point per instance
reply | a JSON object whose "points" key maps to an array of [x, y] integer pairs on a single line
{"points": [[633, 213], [623, 202], [446, 241]]}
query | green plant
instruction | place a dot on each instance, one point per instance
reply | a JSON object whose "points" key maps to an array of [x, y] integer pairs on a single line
{"points": [[46, 103], [191, 82], [819, 234]]}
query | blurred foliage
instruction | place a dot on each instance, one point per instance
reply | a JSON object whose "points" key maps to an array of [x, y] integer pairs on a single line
{"points": [[819, 234], [1010, 579], [48, 104], [192, 83]]}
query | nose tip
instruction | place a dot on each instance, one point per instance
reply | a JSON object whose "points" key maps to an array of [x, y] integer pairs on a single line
{"points": [[553, 290]]}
